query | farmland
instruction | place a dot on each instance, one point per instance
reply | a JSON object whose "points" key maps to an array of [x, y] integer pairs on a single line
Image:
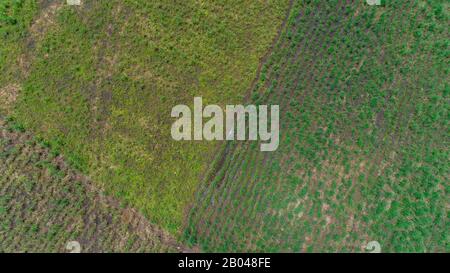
{"points": [[86, 152], [100, 80], [363, 156], [44, 205]]}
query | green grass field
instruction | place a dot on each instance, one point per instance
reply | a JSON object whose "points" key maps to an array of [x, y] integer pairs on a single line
{"points": [[86, 152], [100, 80], [363, 93]]}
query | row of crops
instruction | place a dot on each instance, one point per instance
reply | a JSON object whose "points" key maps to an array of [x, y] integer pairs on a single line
{"points": [[44, 205], [363, 155]]}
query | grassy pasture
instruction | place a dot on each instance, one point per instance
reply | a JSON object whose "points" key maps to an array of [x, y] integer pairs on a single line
{"points": [[363, 156]]}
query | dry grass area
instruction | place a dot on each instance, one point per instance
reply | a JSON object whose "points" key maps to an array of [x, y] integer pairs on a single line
{"points": [[8, 96]]}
